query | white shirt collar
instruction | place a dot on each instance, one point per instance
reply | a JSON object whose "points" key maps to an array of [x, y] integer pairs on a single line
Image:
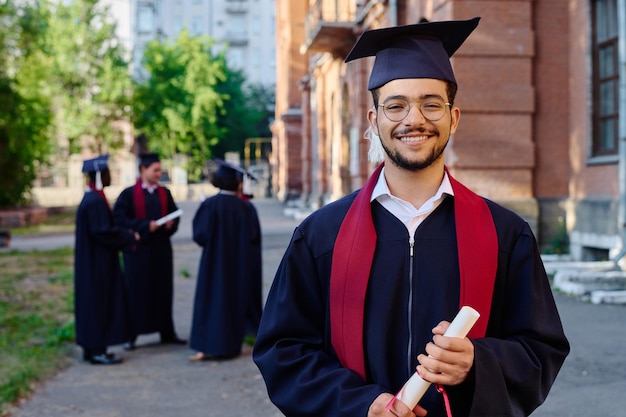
{"points": [[148, 187], [227, 192], [407, 213], [382, 189]]}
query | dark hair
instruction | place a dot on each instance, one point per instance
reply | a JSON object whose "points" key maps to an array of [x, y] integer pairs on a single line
{"points": [[451, 90], [92, 174], [228, 184]]}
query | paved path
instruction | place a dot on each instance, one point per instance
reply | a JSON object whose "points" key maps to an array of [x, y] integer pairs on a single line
{"points": [[159, 381]]}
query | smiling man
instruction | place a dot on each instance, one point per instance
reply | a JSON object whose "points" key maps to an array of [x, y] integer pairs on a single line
{"points": [[370, 283]]}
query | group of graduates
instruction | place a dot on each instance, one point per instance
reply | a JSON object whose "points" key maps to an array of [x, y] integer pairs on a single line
{"points": [[115, 301]]}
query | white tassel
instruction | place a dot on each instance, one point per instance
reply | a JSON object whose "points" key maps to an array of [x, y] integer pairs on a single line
{"points": [[247, 185], [376, 152], [99, 181]]}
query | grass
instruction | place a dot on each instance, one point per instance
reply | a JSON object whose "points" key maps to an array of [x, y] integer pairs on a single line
{"points": [[36, 319]]}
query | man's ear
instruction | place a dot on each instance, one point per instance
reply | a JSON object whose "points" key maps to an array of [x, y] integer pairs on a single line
{"points": [[372, 117], [455, 112]]}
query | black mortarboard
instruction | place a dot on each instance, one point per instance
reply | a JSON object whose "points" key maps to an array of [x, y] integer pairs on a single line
{"points": [[147, 159], [226, 169], [96, 164], [227, 176], [422, 50]]}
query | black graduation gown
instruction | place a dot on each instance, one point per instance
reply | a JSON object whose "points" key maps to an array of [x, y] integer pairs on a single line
{"points": [[100, 306], [515, 364], [149, 265], [228, 298]]}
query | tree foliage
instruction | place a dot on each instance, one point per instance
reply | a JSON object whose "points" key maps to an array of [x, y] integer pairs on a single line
{"points": [[193, 103], [248, 113], [63, 85], [90, 78], [25, 114], [177, 106]]}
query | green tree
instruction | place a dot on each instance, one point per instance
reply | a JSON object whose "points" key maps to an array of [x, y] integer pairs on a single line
{"points": [[90, 77], [248, 112], [177, 106], [193, 103], [63, 84], [24, 103], [262, 99]]}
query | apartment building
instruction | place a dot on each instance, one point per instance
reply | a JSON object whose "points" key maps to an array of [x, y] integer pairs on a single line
{"points": [[245, 29], [541, 89]]}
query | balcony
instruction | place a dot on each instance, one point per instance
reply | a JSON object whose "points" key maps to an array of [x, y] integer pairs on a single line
{"points": [[236, 6], [329, 28], [236, 38]]}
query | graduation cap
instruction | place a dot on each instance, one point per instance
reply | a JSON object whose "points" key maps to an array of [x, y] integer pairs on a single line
{"points": [[96, 164], [228, 176], [422, 50], [226, 168], [147, 159]]}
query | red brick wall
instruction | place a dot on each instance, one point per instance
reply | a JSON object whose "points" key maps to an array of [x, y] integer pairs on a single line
{"points": [[552, 73]]}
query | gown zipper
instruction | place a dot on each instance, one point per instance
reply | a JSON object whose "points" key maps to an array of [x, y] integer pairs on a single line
{"points": [[410, 306]]}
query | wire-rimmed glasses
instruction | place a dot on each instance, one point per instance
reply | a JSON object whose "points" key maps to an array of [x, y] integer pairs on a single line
{"points": [[396, 109]]}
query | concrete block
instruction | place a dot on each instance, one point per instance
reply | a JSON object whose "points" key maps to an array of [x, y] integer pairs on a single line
{"points": [[608, 297], [578, 283]]}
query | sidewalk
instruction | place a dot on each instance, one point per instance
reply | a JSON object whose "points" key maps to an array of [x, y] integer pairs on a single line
{"points": [[159, 381]]}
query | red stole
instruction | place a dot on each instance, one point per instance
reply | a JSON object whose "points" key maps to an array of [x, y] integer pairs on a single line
{"points": [[140, 201], [477, 244]]}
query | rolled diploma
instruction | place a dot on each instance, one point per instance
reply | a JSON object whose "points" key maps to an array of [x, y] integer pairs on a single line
{"points": [[415, 388], [167, 218]]}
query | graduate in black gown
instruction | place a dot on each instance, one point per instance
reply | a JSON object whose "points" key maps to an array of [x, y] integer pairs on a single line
{"points": [[369, 283], [228, 298], [149, 265], [100, 307]]}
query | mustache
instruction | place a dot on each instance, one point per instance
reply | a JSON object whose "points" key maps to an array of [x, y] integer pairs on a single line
{"points": [[418, 130]]}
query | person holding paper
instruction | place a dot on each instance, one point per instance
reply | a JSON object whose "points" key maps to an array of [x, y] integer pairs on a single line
{"points": [[149, 265], [100, 308], [228, 299], [369, 283]]}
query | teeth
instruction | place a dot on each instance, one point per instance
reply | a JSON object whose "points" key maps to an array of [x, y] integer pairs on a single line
{"points": [[414, 139]]}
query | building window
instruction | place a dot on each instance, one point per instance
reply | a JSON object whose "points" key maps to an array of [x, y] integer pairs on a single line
{"points": [[196, 26], [235, 58], [256, 26], [145, 19], [238, 25], [605, 77]]}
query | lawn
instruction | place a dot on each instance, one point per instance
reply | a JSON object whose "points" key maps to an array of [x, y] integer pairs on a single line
{"points": [[36, 319]]}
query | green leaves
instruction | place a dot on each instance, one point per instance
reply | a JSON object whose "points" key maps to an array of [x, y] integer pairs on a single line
{"points": [[192, 103], [178, 105], [89, 75], [25, 114], [64, 85]]}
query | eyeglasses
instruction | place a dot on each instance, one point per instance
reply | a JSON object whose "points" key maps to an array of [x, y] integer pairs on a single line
{"points": [[397, 109]]}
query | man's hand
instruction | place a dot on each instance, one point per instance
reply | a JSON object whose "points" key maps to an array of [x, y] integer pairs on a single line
{"points": [[449, 359], [153, 225], [398, 408]]}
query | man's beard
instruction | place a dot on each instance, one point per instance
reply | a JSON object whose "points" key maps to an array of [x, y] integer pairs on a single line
{"points": [[402, 162]]}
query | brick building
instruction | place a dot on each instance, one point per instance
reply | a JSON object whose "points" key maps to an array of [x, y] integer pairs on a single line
{"points": [[539, 89]]}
